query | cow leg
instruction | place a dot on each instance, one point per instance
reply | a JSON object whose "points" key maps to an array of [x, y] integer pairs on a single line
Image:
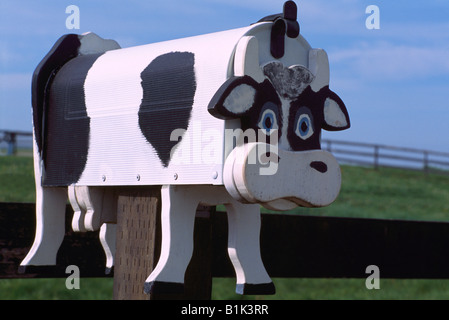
{"points": [[50, 221], [50, 228], [178, 210], [244, 249], [92, 206], [107, 240]]}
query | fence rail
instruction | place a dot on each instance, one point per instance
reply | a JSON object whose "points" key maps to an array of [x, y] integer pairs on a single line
{"points": [[310, 247], [378, 155], [353, 153], [12, 141]]}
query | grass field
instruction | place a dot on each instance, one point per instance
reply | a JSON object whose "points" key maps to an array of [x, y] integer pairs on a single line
{"points": [[383, 193]]}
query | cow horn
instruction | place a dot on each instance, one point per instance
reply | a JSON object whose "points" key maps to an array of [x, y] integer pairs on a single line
{"points": [[246, 59], [319, 66]]}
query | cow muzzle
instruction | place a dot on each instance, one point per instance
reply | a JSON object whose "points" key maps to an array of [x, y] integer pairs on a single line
{"points": [[280, 179]]}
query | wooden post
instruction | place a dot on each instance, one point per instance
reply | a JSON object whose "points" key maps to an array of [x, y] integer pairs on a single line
{"points": [[376, 157], [138, 247], [426, 162]]}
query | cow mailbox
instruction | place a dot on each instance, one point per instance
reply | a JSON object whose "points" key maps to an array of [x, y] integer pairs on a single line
{"points": [[229, 118]]}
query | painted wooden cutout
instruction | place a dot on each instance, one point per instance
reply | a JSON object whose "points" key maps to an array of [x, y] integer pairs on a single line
{"points": [[229, 118]]}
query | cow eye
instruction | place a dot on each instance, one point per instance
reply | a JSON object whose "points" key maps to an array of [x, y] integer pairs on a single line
{"points": [[304, 127], [268, 121]]}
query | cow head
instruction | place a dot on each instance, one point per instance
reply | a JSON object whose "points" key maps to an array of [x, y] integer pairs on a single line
{"points": [[288, 106]]}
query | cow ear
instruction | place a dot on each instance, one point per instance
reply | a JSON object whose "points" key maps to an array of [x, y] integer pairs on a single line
{"points": [[336, 115], [234, 98]]}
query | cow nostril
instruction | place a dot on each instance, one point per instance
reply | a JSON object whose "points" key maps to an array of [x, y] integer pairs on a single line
{"points": [[319, 166]]}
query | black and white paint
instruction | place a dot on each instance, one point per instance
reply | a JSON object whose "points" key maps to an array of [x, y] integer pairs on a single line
{"points": [[67, 126], [106, 117], [285, 102], [169, 87]]}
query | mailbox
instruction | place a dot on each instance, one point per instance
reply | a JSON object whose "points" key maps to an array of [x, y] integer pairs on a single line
{"points": [[232, 117]]}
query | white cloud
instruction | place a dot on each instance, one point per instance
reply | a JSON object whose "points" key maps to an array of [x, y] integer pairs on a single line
{"points": [[388, 61], [421, 33]]}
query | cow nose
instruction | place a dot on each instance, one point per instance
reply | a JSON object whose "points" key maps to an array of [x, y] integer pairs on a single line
{"points": [[319, 166]]}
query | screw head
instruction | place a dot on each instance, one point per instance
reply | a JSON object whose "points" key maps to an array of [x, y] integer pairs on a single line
{"points": [[175, 176], [138, 177], [103, 177]]}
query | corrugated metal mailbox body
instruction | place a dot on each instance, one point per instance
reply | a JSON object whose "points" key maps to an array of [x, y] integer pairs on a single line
{"points": [[144, 119]]}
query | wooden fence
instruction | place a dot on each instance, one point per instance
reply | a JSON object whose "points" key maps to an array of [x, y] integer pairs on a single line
{"points": [[292, 246], [378, 155], [354, 153], [11, 140]]}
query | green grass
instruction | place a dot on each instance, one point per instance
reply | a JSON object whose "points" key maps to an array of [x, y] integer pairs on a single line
{"points": [[341, 289], [55, 289], [365, 193], [16, 179], [388, 194]]}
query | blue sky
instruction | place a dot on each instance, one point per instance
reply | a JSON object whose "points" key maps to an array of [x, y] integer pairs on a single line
{"points": [[394, 80]]}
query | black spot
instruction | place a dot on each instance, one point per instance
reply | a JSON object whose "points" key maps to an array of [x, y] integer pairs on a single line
{"points": [[67, 126], [64, 49], [169, 87], [315, 112], [319, 166], [266, 98]]}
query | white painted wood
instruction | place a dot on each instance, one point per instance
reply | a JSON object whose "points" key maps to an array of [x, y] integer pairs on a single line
{"points": [[50, 227], [228, 176], [280, 205], [246, 59], [91, 43], [333, 115], [51, 202], [243, 243], [319, 66], [108, 242], [113, 96], [235, 162], [177, 222], [241, 99], [78, 212], [50, 220], [92, 207], [294, 180], [179, 205]]}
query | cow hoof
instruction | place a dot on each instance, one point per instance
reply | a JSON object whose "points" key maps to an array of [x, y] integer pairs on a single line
{"points": [[259, 288], [162, 287], [109, 271]]}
